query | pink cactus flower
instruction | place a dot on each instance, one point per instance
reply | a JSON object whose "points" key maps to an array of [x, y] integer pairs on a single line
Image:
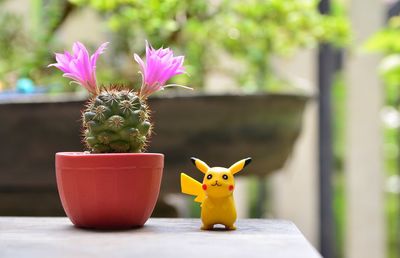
{"points": [[79, 66], [160, 66]]}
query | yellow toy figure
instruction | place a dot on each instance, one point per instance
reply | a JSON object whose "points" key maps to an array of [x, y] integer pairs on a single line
{"points": [[215, 194]]}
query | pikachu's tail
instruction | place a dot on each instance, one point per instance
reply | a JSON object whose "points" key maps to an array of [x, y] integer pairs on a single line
{"points": [[192, 187]]}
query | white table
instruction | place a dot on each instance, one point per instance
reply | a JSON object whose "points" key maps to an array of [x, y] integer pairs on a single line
{"points": [[56, 237]]}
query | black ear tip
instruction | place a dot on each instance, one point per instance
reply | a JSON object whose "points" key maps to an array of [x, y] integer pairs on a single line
{"points": [[247, 161], [193, 160]]}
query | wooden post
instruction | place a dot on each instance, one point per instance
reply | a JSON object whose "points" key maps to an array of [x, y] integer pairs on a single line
{"points": [[364, 160]]}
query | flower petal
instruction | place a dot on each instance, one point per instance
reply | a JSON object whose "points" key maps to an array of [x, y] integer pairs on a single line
{"points": [[79, 66], [160, 66]]}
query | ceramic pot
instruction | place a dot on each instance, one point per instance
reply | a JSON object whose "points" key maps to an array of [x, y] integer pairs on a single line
{"points": [[110, 191]]}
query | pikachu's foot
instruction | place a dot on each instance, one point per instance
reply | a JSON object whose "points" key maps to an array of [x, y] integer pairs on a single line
{"points": [[207, 227], [230, 227]]}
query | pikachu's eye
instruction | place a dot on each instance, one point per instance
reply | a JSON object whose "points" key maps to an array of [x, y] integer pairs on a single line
{"points": [[225, 177], [209, 176]]}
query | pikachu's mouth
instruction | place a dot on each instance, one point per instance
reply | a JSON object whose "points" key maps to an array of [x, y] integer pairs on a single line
{"points": [[216, 184]]}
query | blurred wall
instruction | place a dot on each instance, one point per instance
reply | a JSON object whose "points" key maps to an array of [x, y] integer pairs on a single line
{"points": [[364, 165], [295, 187]]}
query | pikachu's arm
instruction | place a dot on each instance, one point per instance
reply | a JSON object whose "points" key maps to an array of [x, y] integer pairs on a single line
{"points": [[192, 187]]}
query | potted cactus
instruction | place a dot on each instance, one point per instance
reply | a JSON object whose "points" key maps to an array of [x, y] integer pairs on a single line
{"points": [[113, 184]]}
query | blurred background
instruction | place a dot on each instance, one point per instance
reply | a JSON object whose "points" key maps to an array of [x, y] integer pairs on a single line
{"points": [[309, 89]]}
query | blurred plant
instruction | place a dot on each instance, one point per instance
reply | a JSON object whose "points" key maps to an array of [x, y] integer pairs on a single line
{"points": [[24, 45], [387, 42], [256, 30], [182, 25], [252, 31], [11, 42]]}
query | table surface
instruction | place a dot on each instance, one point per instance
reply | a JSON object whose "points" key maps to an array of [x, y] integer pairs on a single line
{"points": [[57, 237]]}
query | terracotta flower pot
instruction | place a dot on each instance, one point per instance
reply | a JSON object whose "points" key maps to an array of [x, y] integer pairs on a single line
{"points": [[109, 190]]}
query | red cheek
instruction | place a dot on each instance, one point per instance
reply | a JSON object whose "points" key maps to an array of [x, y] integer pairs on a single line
{"points": [[231, 188], [204, 187]]}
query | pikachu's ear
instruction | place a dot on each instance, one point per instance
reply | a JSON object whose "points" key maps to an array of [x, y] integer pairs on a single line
{"points": [[200, 165], [238, 166]]}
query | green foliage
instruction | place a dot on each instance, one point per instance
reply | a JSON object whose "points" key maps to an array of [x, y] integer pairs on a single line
{"points": [[181, 25], [256, 30], [116, 121], [11, 42], [392, 207], [387, 42], [251, 31], [248, 31], [25, 45], [339, 148]]}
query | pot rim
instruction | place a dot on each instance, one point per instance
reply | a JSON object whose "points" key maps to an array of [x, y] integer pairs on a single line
{"points": [[88, 154], [85, 160]]}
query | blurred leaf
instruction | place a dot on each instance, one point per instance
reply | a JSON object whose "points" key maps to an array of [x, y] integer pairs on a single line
{"points": [[251, 31]]}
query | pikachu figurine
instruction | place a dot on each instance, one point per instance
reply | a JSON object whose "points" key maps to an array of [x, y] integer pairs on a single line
{"points": [[215, 194]]}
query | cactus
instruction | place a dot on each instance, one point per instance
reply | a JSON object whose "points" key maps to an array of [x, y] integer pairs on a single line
{"points": [[116, 121]]}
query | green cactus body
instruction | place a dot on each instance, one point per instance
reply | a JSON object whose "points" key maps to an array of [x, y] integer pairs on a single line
{"points": [[116, 121]]}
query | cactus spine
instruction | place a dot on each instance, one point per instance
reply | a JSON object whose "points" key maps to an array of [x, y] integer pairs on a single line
{"points": [[116, 121]]}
